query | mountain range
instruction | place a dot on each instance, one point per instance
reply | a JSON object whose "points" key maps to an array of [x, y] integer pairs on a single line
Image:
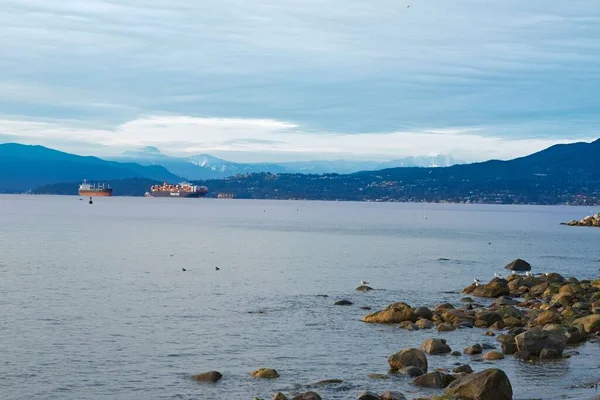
{"points": [[205, 166], [561, 174], [23, 168]]}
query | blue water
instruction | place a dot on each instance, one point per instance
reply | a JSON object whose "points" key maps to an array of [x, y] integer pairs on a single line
{"points": [[93, 305]]}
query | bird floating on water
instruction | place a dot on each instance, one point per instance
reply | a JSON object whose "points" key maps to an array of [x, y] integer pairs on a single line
{"points": [[217, 268], [364, 282], [183, 269]]}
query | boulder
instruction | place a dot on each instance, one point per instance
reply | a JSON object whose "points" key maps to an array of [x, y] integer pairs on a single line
{"points": [[548, 354], [433, 380], [590, 324], [423, 323], [410, 326], [467, 300], [549, 317], [445, 327], [492, 384], [472, 350], [364, 288], [423, 312], [308, 396], [408, 358], [393, 396], [535, 340], [518, 265], [444, 307], [489, 317], [573, 334], [523, 355], [379, 377], [211, 376], [463, 369], [495, 288], [279, 396], [508, 344], [435, 346], [413, 372], [505, 301], [493, 355], [328, 382], [368, 396], [392, 314], [265, 373], [343, 303]]}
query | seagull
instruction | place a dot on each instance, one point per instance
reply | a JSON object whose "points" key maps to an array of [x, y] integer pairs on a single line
{"points": [[476, 282], [513, 273], [364, 282], [497, 275], [217, 268], [183, 269], [528, 273]]}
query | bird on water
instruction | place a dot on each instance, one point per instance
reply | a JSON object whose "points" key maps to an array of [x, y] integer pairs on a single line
{"points": [[183, 269], [217, 268]]}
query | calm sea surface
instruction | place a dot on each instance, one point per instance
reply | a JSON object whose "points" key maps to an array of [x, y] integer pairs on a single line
{"points": [[94, 304]]}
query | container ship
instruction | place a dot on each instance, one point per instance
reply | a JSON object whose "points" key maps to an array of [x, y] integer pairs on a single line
{"points": [[181, 190], [87, 189]]}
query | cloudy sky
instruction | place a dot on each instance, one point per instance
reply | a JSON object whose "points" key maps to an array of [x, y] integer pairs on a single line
{"points": [[300, 79]]}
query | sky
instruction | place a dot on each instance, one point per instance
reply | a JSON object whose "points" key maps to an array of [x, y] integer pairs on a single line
{"points": [[281, 80]]}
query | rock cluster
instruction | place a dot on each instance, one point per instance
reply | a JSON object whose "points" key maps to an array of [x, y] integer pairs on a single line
{"points": [[590, 220]]}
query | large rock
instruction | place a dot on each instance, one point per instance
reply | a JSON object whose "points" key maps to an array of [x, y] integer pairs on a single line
{"points": [[535, 340], [280, 396], [518, 265], [491, 384], [493, 355], [423, 323], [308, 396], [265, 373], [495, 288], [368, 396], [211, 376], [490, 317], [589, 324], [472, 350], [433, 380], [508, 344], [408, 358], [393, 396], [392, 314], [549, 317], [574, 334], [435, 346], [413, 372], [423, 312]]}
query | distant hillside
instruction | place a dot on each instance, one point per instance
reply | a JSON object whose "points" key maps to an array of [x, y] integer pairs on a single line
{"points": [[562, 174], [24, 168]]}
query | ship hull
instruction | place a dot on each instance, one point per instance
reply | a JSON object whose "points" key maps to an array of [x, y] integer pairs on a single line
{"points": [[96, 193], [188, 195]]}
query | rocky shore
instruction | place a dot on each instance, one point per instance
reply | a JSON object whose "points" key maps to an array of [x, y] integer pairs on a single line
{"points": [[590, 220], [533, 317]]}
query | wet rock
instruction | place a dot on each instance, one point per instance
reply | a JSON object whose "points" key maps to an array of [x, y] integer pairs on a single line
{"points": [[424, 323], [490, 384], [408, 358], [328, 382], [467, 300], [393, 396], [364, 288], [538, 290], [343, 303], [548, 354], [523, 355], [495, 288], [433, 380], [368, 396], [308, 396], [472, 350], [490, 333], [463, 369], [445, 327], [518, 265], [365, 308], [493, 355], [498, 326], [505, 301], [280, 396], [464, 325], [423, 312], [535, 340], [413, 372], [509, 312], [265, 373], [487, 346], [573, 334], [392, 314], [516, 331], [512, 322], [549, 317], [590, 323], [379, 377], [456, 354], [441, 308], [489, 317], [211, 376], [508, 344], [435, 346], [410, 326]]}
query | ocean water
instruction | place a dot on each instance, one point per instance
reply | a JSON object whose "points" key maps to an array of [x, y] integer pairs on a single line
{"points": [[94, 303]]}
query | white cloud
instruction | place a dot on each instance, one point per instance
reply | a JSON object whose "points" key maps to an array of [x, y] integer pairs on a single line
{"points": [[270, 139]]}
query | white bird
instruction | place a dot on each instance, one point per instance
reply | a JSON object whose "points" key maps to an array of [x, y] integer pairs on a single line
{"points": [[476, 282], [528, 273], [497, 275], [513, 273], [364, 282]]}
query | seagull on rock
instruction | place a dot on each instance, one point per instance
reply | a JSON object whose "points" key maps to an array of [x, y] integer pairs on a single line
{"points": [[364, 282], [528, 273], [497, 275], [476, 281]]}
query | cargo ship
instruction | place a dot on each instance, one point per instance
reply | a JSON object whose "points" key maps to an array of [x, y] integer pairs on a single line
{"points": [[181, 190], [87, 189]]}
